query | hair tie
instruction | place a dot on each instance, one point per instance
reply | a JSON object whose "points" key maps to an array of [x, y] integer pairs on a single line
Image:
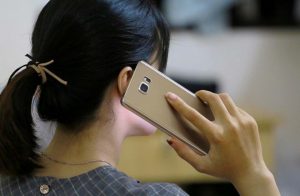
{"points": [[41, 69]]}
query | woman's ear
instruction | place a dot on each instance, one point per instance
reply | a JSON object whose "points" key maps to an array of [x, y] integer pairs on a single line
{"points": [[123, 79]]}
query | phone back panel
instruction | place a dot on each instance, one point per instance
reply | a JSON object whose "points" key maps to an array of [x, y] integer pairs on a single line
{"points": [[145, 96]]}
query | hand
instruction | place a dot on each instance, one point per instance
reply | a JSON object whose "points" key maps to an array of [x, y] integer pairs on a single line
{"points": [[235, 149]]}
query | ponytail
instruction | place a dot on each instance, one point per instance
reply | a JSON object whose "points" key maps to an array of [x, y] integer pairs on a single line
{"points": [[17, 139]]}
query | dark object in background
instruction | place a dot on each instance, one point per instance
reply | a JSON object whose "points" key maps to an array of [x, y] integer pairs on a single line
{"points": [[210, 189], [275, 13], [280, 12], [265, 13], [194, 85]]}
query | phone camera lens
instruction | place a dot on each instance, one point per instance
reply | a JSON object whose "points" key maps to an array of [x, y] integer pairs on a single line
{"points": [[144, 88]]}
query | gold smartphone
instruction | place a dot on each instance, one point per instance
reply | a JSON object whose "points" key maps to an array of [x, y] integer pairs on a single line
{"points": [[145, 96]]}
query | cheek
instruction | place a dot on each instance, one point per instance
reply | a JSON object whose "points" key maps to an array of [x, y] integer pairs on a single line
{"points": [[140, 126]]}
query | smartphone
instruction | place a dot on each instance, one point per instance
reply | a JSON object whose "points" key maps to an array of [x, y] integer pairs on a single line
{"points": [[145, 96]]}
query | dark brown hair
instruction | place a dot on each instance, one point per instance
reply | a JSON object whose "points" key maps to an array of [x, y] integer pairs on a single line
{"points": [[90, 42]]}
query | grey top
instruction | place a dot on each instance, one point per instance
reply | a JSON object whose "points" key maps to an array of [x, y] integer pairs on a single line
{"points": [[104, 180]]}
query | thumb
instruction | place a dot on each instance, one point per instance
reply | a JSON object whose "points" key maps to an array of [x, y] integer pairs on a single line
{"points": [[199, 162]]}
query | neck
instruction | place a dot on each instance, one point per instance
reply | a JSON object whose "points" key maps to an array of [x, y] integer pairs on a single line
{"points": [[100, 140], [85, 147], [88, 145]]}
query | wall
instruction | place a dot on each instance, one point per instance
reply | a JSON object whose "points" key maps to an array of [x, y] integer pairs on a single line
{"points": [[16, 21]]}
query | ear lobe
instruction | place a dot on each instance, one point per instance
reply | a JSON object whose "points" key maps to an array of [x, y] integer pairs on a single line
{"points": [[123, 79]]}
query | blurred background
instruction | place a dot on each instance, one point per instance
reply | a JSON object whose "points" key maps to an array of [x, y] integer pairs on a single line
{"points": [[248, 48]]}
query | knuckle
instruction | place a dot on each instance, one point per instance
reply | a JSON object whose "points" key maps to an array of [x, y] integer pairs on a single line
{"points": [[252, 123], [224, 95], [213, 98], [218, 138], [201, 92], [249, 123], [252, 120], [205, 93], [233, 127], [212, 95]]}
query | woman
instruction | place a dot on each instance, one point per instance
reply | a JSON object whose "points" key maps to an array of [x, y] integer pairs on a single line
{"points": [[83, 55]]}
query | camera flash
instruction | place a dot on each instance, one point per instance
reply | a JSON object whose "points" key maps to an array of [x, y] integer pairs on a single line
{"points": [[146, 79]]}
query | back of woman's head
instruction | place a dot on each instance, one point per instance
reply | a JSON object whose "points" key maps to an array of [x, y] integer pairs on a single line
{"points": [[90, 42]]}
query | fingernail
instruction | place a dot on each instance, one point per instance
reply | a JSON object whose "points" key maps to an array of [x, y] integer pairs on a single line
{"points": [[170, 142], [171, 96]]}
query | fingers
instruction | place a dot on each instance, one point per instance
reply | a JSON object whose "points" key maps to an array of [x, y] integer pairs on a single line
{"points": [[233, 137], [216, 104], [190, 113], [222, 107], [229, 104], [189, 155]]}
